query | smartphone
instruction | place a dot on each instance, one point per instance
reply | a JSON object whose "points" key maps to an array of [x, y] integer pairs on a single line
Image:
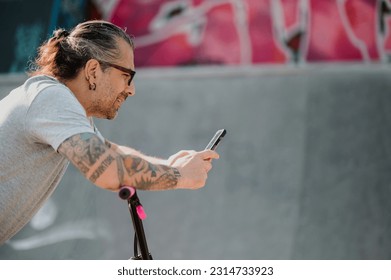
{"points": [[216, 139]]}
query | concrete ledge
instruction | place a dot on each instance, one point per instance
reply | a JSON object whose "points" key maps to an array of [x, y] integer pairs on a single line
{"points": [[304, 171], [233, 71]]}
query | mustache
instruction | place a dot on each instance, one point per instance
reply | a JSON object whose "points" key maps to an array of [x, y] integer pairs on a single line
{"points": [[124, 95]]}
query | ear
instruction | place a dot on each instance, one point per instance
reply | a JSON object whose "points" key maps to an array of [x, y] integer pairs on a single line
{"points": [[91, 70]]}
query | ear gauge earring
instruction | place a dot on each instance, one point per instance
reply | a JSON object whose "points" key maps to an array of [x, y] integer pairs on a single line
{"points": [[93, 86]]}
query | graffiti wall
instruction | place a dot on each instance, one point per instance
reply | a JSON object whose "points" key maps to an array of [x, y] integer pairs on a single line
{"points": [[189, 32], [194, 32], [24, 25]]}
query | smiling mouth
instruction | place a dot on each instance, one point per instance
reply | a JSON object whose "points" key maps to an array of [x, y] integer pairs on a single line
{"points": [[122, 98], [124, 95]]}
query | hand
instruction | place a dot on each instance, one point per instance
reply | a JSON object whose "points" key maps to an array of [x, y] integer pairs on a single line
{"points": [[172, 159], [194, 168]]}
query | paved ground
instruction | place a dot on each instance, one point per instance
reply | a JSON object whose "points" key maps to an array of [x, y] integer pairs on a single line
{"points": [[304, 170]]}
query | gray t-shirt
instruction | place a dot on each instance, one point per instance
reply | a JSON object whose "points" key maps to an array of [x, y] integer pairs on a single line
{"points": [[35, 119]]}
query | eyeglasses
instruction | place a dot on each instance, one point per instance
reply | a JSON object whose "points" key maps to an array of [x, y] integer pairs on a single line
{"points": [[123, 69]]}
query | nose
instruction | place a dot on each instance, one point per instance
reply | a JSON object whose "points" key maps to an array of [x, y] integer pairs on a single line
{"points": [[131, 90]]}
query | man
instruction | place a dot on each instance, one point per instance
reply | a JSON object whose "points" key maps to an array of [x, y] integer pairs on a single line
{"points": [[47, 122]]}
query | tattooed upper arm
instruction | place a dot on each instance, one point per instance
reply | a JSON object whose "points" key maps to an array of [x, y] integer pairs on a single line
{"points": [[88, 153], [108, 143]]}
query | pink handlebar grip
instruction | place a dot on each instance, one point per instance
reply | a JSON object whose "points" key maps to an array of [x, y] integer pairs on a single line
{"points": [[126, 192], [141, 212]]}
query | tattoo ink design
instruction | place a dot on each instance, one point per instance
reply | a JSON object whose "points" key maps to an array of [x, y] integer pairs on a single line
{"points": [[165, 181], [131, 164], [148, 175], [84, 150], [102, 167], [108, 144], [120, 170], [153, 169], [90, 155]]}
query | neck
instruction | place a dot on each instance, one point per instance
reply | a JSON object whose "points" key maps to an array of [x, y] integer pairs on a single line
{"points": [[80, 90]]}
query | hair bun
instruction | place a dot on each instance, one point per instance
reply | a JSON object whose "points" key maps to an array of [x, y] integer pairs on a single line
{"points": [[60, 33]]}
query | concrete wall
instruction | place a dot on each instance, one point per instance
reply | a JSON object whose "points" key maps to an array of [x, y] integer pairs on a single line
{"points": [[304, 170]]}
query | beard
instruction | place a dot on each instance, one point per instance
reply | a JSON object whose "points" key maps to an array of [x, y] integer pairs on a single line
{"points": [[102, 111], [107, 106]]}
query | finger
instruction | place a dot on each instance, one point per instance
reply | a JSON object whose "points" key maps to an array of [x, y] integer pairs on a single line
{"points": [[208, 154], [172, 159], [182, 154], [188, 151], [207, 166], [185, 153]]}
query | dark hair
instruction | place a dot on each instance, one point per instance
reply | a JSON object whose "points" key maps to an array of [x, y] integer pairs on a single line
{"points": [[65, 53]]}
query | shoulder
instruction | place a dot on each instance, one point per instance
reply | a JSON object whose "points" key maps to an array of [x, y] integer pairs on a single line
{"points": [[38, 85], [45, 92]]}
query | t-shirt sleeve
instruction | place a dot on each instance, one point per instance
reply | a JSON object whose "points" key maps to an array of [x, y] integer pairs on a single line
{"points": [[54, 116]]}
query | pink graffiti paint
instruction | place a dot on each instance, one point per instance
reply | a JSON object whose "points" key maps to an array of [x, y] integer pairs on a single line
{"points": [[170, 32]]}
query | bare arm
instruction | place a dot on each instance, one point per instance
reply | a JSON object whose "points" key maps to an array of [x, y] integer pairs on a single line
{"points": [[110, 167], [104, 166], [123, 150]]}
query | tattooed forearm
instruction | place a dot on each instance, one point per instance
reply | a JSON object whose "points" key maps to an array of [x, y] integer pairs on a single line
{"points": [[133, 164], [165, 181], [148, 176]]}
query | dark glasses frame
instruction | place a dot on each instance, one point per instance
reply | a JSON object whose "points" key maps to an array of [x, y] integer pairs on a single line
{"points": [[123, 69]]}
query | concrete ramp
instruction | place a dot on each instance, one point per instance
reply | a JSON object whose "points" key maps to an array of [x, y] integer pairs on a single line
{"points": [[304, 171]]}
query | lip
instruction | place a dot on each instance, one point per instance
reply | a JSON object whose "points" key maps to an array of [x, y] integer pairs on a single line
{"points": [[122, 98], [120, 101]]}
